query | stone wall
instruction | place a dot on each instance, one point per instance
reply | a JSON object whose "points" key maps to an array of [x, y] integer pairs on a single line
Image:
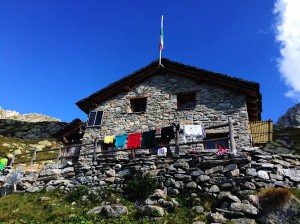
{"points": [[230, 179], [213, 106]]}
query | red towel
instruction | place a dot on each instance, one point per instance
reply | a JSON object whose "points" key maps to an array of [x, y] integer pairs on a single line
{"points": [[134, 140]]}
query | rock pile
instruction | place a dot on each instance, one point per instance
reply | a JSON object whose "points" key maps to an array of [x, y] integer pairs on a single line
{"points": [[231, 180]]}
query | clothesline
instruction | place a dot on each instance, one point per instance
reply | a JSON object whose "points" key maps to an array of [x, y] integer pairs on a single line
{"points": [[147, 139]]}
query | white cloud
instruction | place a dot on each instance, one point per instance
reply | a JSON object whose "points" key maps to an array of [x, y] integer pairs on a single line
{"points": [[288, 34]]}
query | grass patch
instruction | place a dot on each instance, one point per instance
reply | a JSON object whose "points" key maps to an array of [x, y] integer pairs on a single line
{"points": [[71, 208], [271, 198], [296, 192]]}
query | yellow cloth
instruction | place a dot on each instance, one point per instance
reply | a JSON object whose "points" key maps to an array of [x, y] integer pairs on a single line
{"points": [[109, 139]]}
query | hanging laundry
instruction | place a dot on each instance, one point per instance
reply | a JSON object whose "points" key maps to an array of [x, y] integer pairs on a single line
{"points": [[162, 151], [167, 133], [109, 139], [203, 133], [194, 131], [120, 141], [148, 139], [134, 140]]}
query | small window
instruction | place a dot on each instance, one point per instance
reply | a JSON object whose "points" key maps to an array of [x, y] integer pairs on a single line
{"points": [[95, 118], [138, 105], [213, 141], [186, 101]]}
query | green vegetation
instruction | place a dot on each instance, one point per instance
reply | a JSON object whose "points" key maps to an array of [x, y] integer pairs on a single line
{"points": [[8, 145], [72, 207], [292, 133], [296, 192], [141, 187]]}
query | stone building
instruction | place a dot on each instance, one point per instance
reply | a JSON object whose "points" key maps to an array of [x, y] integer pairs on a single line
{"points": [[157, 96]]}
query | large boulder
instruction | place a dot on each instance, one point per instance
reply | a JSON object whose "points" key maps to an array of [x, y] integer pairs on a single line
{"points": [[241, 207], [153, 211], [111, 211]]}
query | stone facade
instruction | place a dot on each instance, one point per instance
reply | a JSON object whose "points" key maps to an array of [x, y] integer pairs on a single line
{"points": [[214, 105]]}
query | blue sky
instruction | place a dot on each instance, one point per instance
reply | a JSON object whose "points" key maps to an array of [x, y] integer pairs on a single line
{"points": [[56, 52]]}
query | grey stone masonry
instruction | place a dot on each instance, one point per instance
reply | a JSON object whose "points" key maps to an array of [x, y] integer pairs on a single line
{"points": [[233, 180], [214, 105]]}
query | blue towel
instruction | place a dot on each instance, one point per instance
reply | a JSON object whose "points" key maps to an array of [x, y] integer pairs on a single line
{"points": [[120, 141]]}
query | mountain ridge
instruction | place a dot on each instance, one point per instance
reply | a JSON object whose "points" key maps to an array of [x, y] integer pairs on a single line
{"points": [[31, 117]]}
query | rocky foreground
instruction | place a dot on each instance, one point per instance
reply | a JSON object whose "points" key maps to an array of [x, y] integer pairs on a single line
{"points": [[233, 181]]}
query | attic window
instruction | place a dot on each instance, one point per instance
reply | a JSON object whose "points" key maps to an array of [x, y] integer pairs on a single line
{"points": [[138, 105], [186, 101], [95, 118]]}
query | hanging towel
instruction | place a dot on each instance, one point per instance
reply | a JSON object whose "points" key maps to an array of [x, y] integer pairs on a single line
{"points": [[203, 133], [148, 139], [167, 133], [194, 131], [134, 140], [120, 141], [109, 139]]}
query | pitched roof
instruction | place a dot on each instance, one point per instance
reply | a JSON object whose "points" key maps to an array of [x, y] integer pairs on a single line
{"points": [[250, 89], [71, 129]]}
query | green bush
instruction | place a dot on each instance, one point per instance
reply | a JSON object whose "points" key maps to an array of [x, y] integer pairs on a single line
{"points": [[141, 187], [76, 194]]}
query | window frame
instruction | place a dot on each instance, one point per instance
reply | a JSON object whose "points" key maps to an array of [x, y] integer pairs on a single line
{"points": [[189, 97], [138, 103], [217, 143], [97, 114]]}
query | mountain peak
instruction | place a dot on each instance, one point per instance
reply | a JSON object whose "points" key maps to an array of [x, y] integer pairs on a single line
{"points": [[291, 118]]}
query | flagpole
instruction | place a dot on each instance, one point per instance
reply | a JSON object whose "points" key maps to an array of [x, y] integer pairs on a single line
{"points": [[161, 43], [159, 58]]}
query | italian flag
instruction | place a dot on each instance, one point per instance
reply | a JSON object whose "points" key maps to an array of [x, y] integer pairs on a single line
{"points": [[161, 44]]}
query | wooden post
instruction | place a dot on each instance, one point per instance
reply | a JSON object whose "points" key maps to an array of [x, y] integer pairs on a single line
{"points": [[132, 154], [13, 159], [269, 130], [33, 157], [58, 154], [94, 152], [231, 136]]}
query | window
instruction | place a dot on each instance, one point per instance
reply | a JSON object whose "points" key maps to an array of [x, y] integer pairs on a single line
{"points": [[95, 118], [138, 105], [186, 101], [216, 141]]}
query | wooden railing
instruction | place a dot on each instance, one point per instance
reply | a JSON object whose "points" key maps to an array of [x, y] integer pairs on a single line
{"points": [[61, 150]]}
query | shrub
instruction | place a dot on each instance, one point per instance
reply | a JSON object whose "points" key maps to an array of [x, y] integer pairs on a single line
{"points": [[296, 192], [76, 194], [271, 198], [141, 187]]}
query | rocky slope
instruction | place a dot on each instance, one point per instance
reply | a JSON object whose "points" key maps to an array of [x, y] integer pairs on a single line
{"points": [[32, 117], [291, 118], [28, 126], [26, 132]]}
